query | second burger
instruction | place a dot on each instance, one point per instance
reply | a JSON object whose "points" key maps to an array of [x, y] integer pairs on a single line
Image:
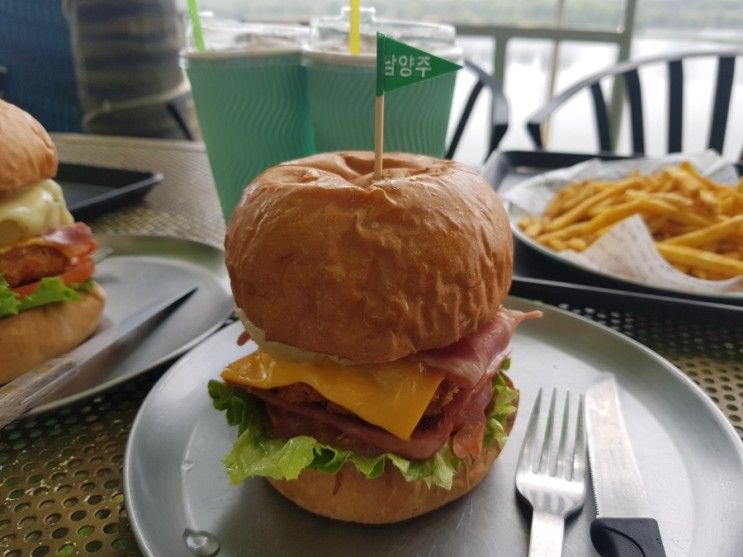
{"points": [[49, 302]]}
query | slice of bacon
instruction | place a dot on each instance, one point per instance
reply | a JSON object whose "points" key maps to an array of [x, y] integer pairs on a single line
{"points": [[74, 240], [243, 338], [290, 420], [479, 353], [469, 427], [471, 363]]}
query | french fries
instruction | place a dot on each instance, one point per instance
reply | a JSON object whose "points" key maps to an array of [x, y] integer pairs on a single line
{"points": [[697, 224]]}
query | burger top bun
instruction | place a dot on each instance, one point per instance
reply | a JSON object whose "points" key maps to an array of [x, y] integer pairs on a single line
{"points": [[324, 258], [27, 154]]}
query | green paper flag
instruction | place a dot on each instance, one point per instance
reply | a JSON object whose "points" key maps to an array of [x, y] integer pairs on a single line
{"points": [[399, 64]]}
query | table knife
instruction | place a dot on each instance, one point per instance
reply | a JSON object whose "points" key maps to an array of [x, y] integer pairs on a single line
{"points": [[23, 392], [624, 527]]}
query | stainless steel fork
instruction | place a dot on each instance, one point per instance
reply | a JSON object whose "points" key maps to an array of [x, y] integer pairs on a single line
{"points": [[101, 253], [553, 482]]}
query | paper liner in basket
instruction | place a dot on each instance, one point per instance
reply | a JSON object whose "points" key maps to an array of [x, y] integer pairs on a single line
{"points": [[627, 250]]}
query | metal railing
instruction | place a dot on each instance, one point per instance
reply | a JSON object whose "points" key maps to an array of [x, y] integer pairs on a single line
{"points": [[502, 35]]}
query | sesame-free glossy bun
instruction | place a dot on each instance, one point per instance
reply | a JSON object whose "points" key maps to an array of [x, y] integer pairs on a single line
{"points": [[324, 258], [37, 335], [27, 154], [349, 496]]}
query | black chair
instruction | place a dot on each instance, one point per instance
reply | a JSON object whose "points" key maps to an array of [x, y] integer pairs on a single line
{"points": [[177, 110], [499, 124], [725, 60]]}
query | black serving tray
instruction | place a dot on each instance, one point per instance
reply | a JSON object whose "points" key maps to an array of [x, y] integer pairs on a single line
{"points": [[671, 308], [90, 191], [504, 169]]}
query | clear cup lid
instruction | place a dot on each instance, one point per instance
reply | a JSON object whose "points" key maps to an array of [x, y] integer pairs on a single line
{"points": [[330, 34], [231, 36]]}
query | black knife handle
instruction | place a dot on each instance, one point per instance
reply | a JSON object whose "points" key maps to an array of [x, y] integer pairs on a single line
{"points": [[627, 537]]}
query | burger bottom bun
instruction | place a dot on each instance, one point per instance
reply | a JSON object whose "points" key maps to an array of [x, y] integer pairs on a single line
{"points": [[350, 497], [37, 335]]}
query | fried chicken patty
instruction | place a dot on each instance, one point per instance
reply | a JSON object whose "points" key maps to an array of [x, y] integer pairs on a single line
{"points": [[26, 264]]}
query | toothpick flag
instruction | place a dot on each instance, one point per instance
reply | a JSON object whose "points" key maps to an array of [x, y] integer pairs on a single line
{"points": [[398, 65]]}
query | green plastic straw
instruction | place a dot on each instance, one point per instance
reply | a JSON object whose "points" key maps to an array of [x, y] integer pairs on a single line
{"points": [[198, 36]]}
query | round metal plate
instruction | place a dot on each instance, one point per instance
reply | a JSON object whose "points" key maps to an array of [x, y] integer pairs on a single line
{"points": [[689, 456], [130, 277]]}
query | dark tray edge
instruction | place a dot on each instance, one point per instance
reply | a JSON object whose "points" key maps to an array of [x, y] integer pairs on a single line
{"points": [[502, 161], [555, 293], [128, 193]]}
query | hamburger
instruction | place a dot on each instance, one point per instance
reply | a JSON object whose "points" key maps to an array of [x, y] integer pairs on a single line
{"points": [[48, 301], [378, 390]]}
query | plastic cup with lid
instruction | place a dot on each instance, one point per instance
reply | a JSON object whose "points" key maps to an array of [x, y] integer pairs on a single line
{"points": [[249, 90], [341, 86]]}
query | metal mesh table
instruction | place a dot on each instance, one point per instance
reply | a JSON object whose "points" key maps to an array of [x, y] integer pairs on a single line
{"points": [[184, 205], [61, 472]]}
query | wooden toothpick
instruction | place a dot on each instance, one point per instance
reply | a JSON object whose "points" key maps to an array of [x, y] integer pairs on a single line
{"points": [[378, 136]]}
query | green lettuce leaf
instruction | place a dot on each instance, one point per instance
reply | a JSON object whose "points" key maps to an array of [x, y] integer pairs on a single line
{"points": [[8, 300], [50, 291], [495, 421], [257, 453]]}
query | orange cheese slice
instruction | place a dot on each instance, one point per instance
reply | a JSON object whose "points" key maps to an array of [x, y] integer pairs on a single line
{"points": [[393, 396]]}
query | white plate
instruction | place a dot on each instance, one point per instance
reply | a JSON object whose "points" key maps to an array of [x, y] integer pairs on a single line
{"points": [[131, 277], [688, 454]]}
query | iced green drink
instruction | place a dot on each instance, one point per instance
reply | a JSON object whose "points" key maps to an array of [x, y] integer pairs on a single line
{"points": [[253, 112]]}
